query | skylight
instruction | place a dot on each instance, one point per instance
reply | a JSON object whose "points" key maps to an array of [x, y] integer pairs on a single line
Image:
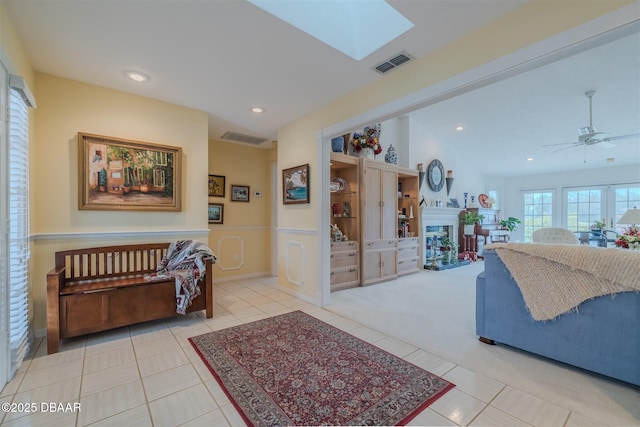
{"points": [[355, 28]]}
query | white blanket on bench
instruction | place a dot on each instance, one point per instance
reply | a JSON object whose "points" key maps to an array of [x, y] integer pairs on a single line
{"points": [[185, 262]]}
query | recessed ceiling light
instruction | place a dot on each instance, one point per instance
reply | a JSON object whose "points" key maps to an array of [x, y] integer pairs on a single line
{"points": [[529, 159], [257, 110], [459, 128], [137, 76]]}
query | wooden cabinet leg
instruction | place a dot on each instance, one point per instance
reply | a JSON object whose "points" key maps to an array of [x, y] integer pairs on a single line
{"points": [[487, 340]]}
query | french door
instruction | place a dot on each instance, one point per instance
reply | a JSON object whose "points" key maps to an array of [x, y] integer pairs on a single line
{"points": [[585, 205]]}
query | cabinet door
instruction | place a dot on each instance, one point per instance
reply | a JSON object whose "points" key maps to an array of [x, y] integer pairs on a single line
{"points": [[389, 188], [388, 263], [372, 204], [370, 266]]}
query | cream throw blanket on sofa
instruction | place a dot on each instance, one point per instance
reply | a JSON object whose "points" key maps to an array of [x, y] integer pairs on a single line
{"points": [[556, 278]]}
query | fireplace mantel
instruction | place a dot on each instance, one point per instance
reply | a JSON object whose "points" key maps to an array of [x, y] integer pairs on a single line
{"points": [[432, 216], [437, 213]]}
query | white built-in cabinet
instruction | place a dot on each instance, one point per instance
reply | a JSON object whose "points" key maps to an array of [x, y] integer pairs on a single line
{"points": [[374, 211]]}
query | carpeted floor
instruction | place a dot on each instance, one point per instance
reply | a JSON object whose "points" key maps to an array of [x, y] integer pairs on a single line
{"points": [[294, 369]]}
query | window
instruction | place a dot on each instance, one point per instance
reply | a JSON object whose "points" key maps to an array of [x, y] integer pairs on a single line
{"points": [[159, 178], [584, 207], [538, 212], [18, 211], [160, 158], [494, 195]]}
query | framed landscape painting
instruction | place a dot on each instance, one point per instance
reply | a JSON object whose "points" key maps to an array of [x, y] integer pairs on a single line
{"points": [[295, 185], [216, 213], [239, 193], [120, 174]]}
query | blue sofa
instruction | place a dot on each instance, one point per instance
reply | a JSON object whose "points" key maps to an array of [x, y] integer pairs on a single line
{"points": [[602, 336]]}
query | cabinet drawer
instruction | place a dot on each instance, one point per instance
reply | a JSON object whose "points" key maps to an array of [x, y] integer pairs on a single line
{"points": [[408, 265], [408, 242], [344, 246], [345, 275], [408, 251], [380, 244], [344, 259]]}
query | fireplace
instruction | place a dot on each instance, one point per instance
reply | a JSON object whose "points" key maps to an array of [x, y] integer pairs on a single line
{"points": [[438, 223]]}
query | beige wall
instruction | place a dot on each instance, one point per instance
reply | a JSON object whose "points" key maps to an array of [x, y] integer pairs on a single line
{"points": [[13, 49], [66, 107], [298, 142], [242, 242]]}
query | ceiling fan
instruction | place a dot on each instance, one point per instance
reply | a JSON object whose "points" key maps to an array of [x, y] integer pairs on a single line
{"points": [[588, 135]]}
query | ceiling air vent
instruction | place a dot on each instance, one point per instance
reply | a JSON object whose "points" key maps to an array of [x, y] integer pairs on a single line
{"points": [[240, 137], [393, 62]]}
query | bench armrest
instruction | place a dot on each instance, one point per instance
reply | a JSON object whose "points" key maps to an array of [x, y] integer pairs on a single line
{"points": [[208, 285], [55, 282]]}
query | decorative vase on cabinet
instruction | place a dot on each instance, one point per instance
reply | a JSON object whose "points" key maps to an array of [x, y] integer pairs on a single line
{"points": [[367, 153], [337, 144], [391, 156]]}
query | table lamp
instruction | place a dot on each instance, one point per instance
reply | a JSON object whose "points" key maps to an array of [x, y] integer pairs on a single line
{"points": [[631, 216]]}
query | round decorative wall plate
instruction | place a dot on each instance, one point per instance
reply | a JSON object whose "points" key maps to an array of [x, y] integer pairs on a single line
{"points": [[435, 175], [482, 199]]}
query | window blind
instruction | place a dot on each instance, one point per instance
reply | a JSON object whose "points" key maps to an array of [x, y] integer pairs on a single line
{"points": [[18, 183]]}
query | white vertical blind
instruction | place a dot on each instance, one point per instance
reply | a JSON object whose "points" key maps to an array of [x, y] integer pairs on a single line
{"points": [[18, 230]]}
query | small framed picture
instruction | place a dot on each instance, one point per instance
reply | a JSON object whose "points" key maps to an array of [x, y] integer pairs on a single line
{"points": [[454, 203], [216, 213], [295, 185], [216, 186], [239, 193]]}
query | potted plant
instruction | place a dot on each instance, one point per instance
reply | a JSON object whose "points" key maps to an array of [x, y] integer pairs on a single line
{"points": [[510, 223], [597, 227], [469, 220], [102, 179]]}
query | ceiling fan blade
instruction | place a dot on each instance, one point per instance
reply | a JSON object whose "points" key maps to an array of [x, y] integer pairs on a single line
{"points": [[563, 143], [613, 138], [605, 144], [555, 151]]}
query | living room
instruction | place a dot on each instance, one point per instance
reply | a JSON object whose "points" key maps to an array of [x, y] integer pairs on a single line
{"points": [[67, 106]]}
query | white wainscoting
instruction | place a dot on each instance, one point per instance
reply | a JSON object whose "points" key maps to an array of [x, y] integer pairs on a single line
{"points": [[236, 260], [296, 270]]}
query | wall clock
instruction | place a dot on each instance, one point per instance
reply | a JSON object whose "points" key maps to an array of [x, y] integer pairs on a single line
{"points": [[435, 175]]}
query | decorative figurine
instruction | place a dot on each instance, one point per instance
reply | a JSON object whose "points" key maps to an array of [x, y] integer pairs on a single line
{"points": [[391, 156]]}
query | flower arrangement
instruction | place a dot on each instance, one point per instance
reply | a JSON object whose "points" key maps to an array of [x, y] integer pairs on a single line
{"points": [[598, 225], [368, 139], [629, 239]]}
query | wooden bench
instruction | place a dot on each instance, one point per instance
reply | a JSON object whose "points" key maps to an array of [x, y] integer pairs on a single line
{"points": [[96, 289]]}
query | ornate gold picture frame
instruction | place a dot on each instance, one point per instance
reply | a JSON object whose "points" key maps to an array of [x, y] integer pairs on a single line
{"points": [[121, 174]]}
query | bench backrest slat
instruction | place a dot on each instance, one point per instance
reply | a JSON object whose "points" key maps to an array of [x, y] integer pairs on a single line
{"points": [[110, 261]]}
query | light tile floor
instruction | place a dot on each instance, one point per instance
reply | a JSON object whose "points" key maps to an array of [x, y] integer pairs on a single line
{"points": [[149, 375]]}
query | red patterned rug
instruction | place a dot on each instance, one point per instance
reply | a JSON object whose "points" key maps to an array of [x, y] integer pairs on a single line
{"points": [[294, 369]]}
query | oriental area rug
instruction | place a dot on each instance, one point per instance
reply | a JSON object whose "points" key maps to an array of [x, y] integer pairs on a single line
{"points": [[294, 369]]}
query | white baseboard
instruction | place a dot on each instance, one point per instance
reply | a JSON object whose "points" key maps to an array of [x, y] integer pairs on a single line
{"points": [[240, 277]]}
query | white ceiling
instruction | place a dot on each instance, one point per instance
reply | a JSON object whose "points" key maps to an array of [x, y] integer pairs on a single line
{"points": [[227, 56], [511, 120]]}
